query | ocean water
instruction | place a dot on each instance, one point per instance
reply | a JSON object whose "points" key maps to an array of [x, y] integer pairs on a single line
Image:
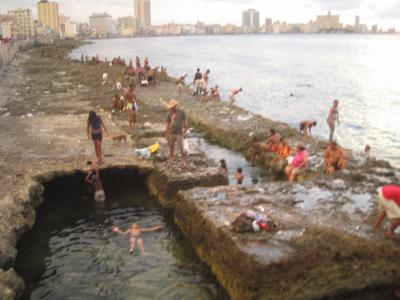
{"points": [[362, 71]]}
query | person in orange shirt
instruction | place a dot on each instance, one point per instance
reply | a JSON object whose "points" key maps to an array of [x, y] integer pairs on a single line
{"points": [[280, 162]]}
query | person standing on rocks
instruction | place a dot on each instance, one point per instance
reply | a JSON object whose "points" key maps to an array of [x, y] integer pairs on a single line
{"points": [[198, 84], [130, 99], [94, 128], [389, 206], [333, 118], [176, 129]]}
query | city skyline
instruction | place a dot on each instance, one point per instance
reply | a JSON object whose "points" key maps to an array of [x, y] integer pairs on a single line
{"points": [[387, 15]]}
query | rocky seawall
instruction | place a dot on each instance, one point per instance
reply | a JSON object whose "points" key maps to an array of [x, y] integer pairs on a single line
{"points": [[319, 248]]}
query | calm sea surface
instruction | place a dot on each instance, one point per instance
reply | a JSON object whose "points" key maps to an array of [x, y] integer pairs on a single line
{"points": [[363, 72]]}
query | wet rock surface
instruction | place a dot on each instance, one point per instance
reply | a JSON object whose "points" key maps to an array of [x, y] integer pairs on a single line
{"points": [[317, 250]]}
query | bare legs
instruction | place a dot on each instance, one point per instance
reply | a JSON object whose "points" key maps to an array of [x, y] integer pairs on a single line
{"points": [[139, 243], [292, 172], [392, 226], [132, 119], [171, 141], [97, 149], [331, 130]]}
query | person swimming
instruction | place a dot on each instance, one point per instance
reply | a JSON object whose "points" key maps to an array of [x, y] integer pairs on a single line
{"points": [[135, 232]]}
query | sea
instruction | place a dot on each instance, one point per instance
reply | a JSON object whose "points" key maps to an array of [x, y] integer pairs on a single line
{"points": [[291, 78]]}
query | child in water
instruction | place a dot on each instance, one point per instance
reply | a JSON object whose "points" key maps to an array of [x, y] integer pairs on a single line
{"points": [[239, 176], [136, 236]]}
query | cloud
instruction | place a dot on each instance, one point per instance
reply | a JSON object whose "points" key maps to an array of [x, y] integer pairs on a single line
{"points": [[338, 4], [390, 12]]}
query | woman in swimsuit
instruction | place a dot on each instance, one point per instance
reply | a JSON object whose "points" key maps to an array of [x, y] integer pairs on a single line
{"points": [[94, 130], [136, 235], [333, 117]]}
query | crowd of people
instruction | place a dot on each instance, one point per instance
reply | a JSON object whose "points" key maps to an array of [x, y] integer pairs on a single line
{"points": [[287, 161]]}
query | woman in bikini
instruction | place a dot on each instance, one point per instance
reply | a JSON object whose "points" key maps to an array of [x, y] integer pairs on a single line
{"points": [[136, 235], [94, 128]]}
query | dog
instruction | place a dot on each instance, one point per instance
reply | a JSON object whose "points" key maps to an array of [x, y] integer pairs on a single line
{"points": [[119, 138]]}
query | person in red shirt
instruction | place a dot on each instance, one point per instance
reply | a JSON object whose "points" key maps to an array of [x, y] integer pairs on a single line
{"points": [[389, 206]]}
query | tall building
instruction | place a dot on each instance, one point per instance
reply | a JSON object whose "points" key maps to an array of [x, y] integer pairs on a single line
{"points": [[24, 23], [329, 22], [251, 18], [8, 27], [142, 12], [48, 15], [101, 25]]}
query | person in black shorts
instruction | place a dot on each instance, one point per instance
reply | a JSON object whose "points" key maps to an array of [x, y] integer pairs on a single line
{"points": [[94, 130]]}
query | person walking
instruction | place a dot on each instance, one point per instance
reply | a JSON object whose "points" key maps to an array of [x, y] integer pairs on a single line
{"points": [[94, 128], [177, 126]]}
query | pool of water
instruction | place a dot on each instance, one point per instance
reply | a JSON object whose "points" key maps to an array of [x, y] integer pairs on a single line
{"points": [[72, 253], [234, 160]]}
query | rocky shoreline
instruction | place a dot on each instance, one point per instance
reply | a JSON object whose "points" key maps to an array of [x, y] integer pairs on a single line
{"points": [[318, 249]]}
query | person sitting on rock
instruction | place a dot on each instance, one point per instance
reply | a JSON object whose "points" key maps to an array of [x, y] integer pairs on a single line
{"points": [[305, 127], [273, 142], [223, 168], [389, 206], [256, 150], [281, 161], [299, 164], [335, 158], [115, 103]]}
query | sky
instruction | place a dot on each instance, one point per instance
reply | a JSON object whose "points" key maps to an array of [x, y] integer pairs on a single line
{"points": [[386, 13]]}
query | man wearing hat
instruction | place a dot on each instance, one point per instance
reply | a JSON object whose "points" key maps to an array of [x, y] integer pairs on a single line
{"points": [[177, 126]]}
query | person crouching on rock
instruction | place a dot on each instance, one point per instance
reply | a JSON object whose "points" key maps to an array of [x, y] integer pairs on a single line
{"points": [[306, 126], [94, 130], [389, 206], [93, 178], [177, 126]]}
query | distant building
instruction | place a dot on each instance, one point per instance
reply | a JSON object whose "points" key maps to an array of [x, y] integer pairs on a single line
{"points": [[279, 27], [101, 25], [83, 29], [329, 22], [251, 20], [24, 23], [8, 27], [70, 30], [142, 12], [49, 16], [229, 28], [392, 30], [374, 29], [127, 26]]}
